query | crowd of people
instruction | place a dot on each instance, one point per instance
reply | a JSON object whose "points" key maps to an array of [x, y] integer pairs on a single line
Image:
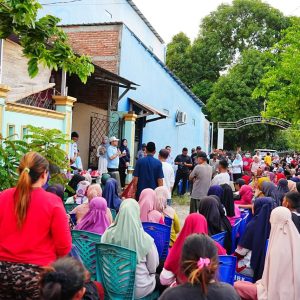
{"points": [[35, 231]]}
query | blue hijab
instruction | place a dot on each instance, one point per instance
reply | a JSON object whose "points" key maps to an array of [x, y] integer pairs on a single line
{"points": [[110, 193], [215, 190], [256, 234]]}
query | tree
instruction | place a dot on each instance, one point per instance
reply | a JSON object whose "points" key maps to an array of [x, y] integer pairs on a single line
{"points": [[280, 85], [224, 34], [231, 100], [41, 39], [178, 58]]}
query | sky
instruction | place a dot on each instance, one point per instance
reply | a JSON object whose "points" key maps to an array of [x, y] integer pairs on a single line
{"points": [[169, 17]]}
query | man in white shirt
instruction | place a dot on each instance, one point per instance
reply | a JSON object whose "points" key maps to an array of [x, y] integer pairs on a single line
{"points": [[169, 176], [75, 160], [223, 176]]}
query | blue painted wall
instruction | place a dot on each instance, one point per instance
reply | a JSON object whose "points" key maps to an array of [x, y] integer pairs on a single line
{"points": [[102, 11], [159, 90]]}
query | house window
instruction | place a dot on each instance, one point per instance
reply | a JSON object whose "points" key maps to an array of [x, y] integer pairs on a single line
{"points": [[11, 130], [24, 132]]}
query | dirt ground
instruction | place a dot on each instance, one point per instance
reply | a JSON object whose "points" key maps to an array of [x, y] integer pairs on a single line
{"points": [[182, 207]]}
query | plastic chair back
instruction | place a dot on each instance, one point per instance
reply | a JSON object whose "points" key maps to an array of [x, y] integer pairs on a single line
{"points": [[241, 277], [113, 213], [70, 207], [168, 221], [116, 271], [234, 234], [85, 244], [220, 237], [227, 264], [161, 235]]}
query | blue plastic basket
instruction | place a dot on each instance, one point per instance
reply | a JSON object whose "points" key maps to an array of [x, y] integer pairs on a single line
{"points": [[161, 235], [234, 234], [227, 264], [220, 237]]}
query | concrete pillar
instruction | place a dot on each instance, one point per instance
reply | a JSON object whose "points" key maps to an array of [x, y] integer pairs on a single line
{"points": [[4, 89], [129, 135], [220, 138]]}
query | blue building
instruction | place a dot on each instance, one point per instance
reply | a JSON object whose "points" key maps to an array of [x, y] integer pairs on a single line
{"points": [[167, 111]]}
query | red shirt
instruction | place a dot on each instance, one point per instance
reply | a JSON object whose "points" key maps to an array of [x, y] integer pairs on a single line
{"points": [[247, 161], [45, 234]]}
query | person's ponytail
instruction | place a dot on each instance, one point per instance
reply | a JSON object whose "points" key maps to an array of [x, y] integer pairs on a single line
{"points": [[32, 166]]}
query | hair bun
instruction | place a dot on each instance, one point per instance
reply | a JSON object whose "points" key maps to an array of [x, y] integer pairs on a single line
{"points": [[58, 277]]}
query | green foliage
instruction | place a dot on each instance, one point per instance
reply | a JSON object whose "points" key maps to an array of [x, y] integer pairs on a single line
{"points": [[280, 86], [231, 100], [49, 142], [178, 59], [42, 41], [11, 152]]}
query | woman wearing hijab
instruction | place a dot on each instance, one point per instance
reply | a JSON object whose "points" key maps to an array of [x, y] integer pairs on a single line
{"points": [[102, 156], [246, 196], [56, 189], [80, 196], [247, 179], [215, 190], [148, 206], [282, 189], [251, 248], [258, 188], [110, 193], [194, 223], [162, 195], [237, 167], [269, 189], [95, 220], [127, 231], [280, 175], [81, 210], [232, 211], [124, 161], [281, 278], [211, 208], [72, 185]]}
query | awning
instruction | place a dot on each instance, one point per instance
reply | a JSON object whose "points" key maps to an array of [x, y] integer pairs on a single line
{"points": [[146, 110]]}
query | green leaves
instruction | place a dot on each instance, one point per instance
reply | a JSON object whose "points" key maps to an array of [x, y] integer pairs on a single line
{"points": [[42, 41], [47, 142]]}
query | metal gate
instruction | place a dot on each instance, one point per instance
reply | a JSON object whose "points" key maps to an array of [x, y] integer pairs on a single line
{"points": [[100, 126]]}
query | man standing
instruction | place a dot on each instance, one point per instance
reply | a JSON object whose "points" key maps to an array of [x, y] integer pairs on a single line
{"points": [[202, 178], [247, 161], [74, 152], [170, 159], [268, 159], [214, 162], [148, 172], [223, 176], [113, 154], [168, 171], [194, 156], [184, 163]]}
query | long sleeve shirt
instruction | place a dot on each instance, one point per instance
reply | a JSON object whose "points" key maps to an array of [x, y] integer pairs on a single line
{"points": [[45, 234]]}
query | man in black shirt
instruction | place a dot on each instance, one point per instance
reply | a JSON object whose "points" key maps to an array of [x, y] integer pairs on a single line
{"points": [[184, 163]]}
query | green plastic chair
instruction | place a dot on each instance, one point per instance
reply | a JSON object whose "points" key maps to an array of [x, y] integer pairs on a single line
{"points": [[70, 207], [85, 243], [116, 271]]}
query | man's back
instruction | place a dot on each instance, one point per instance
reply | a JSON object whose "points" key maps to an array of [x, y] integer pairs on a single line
{"points": [[202, 174], [148, 170]]}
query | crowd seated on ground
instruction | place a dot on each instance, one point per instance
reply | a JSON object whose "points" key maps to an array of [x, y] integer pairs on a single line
{"points": [[35, 236]]}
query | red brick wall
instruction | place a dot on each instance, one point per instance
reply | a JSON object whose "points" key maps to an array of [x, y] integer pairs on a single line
{"points": [[100, 42]]}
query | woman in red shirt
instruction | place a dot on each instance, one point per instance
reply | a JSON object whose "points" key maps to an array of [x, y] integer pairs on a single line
{"points": [[34, 230]]}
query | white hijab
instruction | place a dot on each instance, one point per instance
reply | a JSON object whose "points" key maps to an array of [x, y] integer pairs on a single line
{"points": [[281, 276]]}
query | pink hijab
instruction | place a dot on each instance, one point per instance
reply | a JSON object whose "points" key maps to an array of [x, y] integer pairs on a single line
{"points": [[162, 194], [246, 194], [281, 277], [148, 202]]}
